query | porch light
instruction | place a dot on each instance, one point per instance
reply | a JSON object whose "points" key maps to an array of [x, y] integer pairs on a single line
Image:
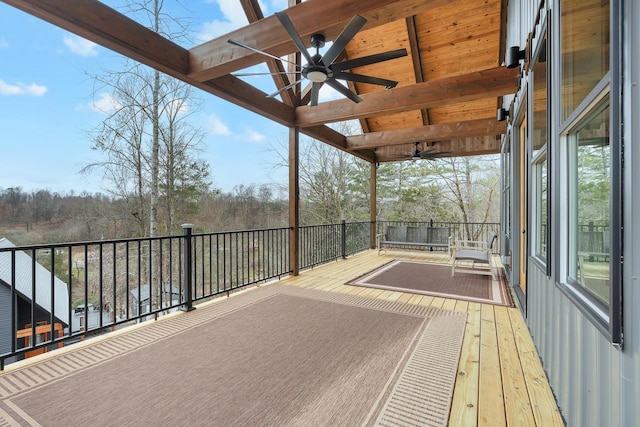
{"points": [[513, 56], [502, 114]]}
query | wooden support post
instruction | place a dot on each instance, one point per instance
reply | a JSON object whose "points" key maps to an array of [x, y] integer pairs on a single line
{"points": [[294, 200], [372, 202]]}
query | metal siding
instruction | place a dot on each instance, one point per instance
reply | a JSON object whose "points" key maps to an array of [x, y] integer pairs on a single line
{"points": [[5, 319], [595, 383]]}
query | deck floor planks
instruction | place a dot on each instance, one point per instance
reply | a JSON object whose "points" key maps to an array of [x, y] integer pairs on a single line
{"points": [[464, 406], [536, 379], [491, 398], [516, 397], [510, 385]]}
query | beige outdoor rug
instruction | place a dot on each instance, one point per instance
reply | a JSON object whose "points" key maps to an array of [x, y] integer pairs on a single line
{"points": [[435, 280], [274, 356]]}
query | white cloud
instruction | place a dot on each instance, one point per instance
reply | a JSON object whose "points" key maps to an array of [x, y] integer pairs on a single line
{"points": [[252, 136], [22, 89], [216, 126], [107, 103], [80, 46], [233, 17]]}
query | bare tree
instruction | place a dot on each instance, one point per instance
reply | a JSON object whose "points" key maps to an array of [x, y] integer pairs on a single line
{"points": [[470, 186], [146, 136]]}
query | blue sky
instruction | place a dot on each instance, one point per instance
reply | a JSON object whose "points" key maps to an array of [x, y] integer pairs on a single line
{"points": [[47, 106]]}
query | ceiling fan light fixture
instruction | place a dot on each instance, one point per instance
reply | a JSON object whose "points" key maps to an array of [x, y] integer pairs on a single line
{"points": [[317, 76]]}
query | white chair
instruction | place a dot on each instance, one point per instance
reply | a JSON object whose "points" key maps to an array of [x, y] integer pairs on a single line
{"points": [[473, 252]]}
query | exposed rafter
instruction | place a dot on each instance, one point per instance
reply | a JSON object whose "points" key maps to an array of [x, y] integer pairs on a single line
{"points": [[456, 109], [254, 13], [479, 85], [217, 57], [439, 132]]}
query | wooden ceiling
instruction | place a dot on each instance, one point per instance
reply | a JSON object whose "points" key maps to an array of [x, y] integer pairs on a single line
{"points": [[450, 84]]}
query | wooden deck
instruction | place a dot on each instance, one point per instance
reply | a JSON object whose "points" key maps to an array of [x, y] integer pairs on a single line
{"points": [[500, 380]]}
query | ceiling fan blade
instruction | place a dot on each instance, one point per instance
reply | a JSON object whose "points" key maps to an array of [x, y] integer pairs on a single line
{"points": [[343, 90], [365, 79], [284, 88], [357, 22], [432, 155], [367, 60], [288, 25], [261, 52], [315, 91]]}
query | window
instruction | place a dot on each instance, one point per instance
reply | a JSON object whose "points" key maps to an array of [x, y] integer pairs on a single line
{"points": [[585, 49], [591, 120], [541, 176], [590, 194], [539, 157]]}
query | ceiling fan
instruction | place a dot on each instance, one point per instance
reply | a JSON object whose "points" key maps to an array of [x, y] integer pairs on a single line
{"points": [[321, 69], [427, 154]]}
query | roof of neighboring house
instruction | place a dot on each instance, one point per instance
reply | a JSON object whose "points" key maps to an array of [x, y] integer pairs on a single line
{"points": [[144, 291], [24, 281]]}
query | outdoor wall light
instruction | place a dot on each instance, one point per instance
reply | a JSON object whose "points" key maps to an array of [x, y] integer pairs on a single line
{"points": [[502, 114], [513, 56]]}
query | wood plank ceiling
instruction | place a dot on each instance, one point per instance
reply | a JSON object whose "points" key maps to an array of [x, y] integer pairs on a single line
{"points": [[450, 84]]}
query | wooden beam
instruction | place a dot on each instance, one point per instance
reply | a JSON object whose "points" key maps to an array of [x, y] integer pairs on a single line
{"points": [[217, 57], [373, 209], [254, 13], [335, 139], [468, 87], [444, 131], [414, 46], [294, 200], [474, 146]]}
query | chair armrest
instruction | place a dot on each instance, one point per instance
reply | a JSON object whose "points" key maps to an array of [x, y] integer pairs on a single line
{"points": [[477, 245]]}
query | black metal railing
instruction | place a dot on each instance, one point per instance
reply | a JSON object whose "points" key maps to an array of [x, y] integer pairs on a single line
{"points": [[477, 231], [320, 244], [57, 294], [60, 293]]}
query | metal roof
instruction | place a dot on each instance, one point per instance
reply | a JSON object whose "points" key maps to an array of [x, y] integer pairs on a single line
{"points": [[24, 280]]}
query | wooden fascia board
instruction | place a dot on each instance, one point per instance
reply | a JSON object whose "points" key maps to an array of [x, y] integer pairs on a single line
{"points": [[335, 139], [469, 87], [438, 132], [217, 57], [475, 146], [244, 95]]}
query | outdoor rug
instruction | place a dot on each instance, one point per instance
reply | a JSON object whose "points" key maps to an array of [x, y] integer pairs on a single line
{"points": [[274, 356], [435, 280]]}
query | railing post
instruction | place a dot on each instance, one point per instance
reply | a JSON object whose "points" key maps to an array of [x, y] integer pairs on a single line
{"points": [[344, 238], [188, 268]]}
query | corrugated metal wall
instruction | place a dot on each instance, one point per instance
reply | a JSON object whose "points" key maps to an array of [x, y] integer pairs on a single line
{"points": [[5, 319], [595, 383]]}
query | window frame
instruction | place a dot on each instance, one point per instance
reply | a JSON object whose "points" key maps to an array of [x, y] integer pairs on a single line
{"points": [[607, 320], [538, 156]]}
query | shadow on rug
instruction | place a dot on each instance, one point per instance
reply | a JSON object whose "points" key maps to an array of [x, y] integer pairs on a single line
{"points": [[435, 280]]}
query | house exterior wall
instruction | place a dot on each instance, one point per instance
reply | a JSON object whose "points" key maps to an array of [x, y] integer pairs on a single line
{"points": [[596, 383], [5, 319]]}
